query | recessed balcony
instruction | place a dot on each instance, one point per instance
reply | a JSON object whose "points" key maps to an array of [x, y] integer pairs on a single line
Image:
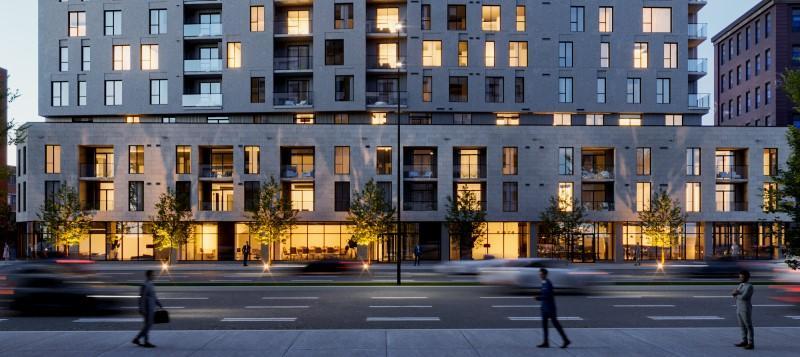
{"points": [[731, 173], [385, 29], [293, 99], [202, 66], [202, 100], [296, 28], [293, 64], [698, 33], [386, 99], [202, 30]]}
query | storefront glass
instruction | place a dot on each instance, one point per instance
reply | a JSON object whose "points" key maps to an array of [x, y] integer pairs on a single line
{"points": [[243, 236], [203, 245], [747, 240], [595, 242], [689, 243], [501, 240], [316, 241]]}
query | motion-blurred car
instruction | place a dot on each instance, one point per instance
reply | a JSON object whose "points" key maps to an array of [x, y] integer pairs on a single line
{"points": [[524, 274], [53, 287], [333, 266], [467, 267], [789, 294]]}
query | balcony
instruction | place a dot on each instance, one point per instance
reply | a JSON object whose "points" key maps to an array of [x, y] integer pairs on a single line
{"points": [[598, 206], [697, 34], [202, 65], [202, 100], [297, 171], [696, 5], [386, 63], [700, 101], [731, 173], [100, 170], [293, 99], [202, 30], [216, 171], [697, 67], [729, 206], [419, 206], [297, 28], [293, 63], [597, 173], [386, 99], [385, 28], [469, 171], [419, 171]]}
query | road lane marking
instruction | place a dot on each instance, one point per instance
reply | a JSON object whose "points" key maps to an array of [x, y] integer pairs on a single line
{"points": [[514, 306], [644, 305], [1, 320], [691, 318], [230, 280], [109, 319], [794, 317], [290, 298], [113, 296], [400, 306], [506, 297], [277, 307], [398, 297], [616, 297], [259, 319], [539, 318], [713, 297], [165, 307], [400, 319], [183, 298], [770, 305], [312, 280]]}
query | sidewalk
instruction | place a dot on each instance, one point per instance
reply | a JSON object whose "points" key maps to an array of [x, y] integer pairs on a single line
{"points": [[775, 341]]}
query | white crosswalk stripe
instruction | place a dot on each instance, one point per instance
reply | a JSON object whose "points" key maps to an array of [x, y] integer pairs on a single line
{"points": [[689, 318], [108, 319], [399, 319], [259, 319], [539, 318], [290, 298], [277, 307]]}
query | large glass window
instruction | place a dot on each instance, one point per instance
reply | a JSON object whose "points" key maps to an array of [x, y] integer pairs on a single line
{"points": [[52, 159], [302, 196], [252, 160], [606, 20], [518, 54], [384, 160], [135, 159], [342, 160], [510, 161], [298, 22], [643, 161], [432, 53], [565, 161], [643, 196], [458, 89], [149, 60], [257, 18], [122, 58], [490, 17], [693, 197], [183, 159], [656, 19], [234, 55]]}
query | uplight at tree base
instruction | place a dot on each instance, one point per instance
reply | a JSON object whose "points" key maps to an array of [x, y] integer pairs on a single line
{"points": [[266, 268], [165, 266], [660, 267]]}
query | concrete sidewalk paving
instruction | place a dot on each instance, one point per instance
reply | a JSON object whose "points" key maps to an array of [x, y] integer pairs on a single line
{"points": [[770, 341]]}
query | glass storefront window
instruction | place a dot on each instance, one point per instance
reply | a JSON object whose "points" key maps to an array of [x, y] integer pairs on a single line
{"points": [[317, 241], [502, 240], [747, 240], [689, 245], [242, 236], [203, 246]]}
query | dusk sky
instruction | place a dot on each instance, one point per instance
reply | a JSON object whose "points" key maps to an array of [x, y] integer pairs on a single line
{"points": [[18, 50]]}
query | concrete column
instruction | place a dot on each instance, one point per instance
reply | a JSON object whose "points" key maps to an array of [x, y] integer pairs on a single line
{"points": [[708, 240], [619, 249], [532, 246], [445, 243]]}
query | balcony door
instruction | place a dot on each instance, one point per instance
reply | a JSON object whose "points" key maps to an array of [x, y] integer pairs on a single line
{"points": [[210, 88], [299, 56], [299, 89]]}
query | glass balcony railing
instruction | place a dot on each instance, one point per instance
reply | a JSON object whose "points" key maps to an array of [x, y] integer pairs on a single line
{"points": [[598, 206], [386, 61], [202, 30], [202, 100], [293, 99], [731, 206], [386, 26], [469, 171], [292, 63], [419, 171], [97, 170], [700, 101], [216, 171], [297, 171], [293, 28], [698, 65], [202, 65], [698, 31], [419, 205], [598, 173], [731, 172], [386, 98]]}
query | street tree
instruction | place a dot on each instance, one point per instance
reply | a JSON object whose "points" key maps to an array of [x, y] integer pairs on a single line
{"points": [[466, 220], [63, 220], [785, 198], [273, 218], [562, 221], [663, 222], [173, 224], [371, 216]]}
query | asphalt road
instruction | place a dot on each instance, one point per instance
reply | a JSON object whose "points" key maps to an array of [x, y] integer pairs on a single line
{"points": [[422, 307]]}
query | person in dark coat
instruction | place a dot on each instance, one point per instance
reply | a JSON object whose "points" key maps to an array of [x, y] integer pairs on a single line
{"points": [[417, 254], [246, 252], [743, 295], [548, 307], [147, 307]]}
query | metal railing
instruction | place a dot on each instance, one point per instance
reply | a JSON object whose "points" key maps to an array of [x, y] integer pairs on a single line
{"points": [[469, 171], [297, 171], [386, 98], [97, 170], [387, 62], [699, 101], [698, 30], [209, 206], [216, 171], [731, 172], [731, 206], [202, 100], [294, 28], [419, 171], [419, 205], [387, 27], [202, 65], [698, 65], [597, 173], [292, 63], [598, 206], [293, 99], [202, 30]]}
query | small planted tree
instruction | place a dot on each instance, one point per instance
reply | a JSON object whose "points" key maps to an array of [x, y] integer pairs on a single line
{"points": [[172, 225], [562, 221], [466, 219], [62, 219], [663, 222], [273, 217], [371, 216]]}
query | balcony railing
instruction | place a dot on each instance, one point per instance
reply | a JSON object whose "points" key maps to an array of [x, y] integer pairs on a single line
{"points": [[216, 206], [731, 206], [293, 28], [731, 172], [297, 171], [293, 99], [97, 170], [387, 27], [202, 100], [698, 65], [419, 171], [700, 101], [387, 62], [386, 98], [216, 171], [698, 31], [598, 206], [202, 30], [598, 173], [292, 63], [469, 171], [419, 205], [202, 65]]}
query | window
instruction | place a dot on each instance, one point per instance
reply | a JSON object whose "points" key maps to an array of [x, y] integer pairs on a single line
{"points": [[634, 91], [770, 201], [565, 90], [595, 119], [494, 90], [565, 196], [106, 197], [135, 159], [519, 90], [257, 18], [251, 195], [298, 22], [302, 196], [693, 162], [693, 197], [767, 93], [462, 118], [77, 24], [341, 196], [565, 162], [183, 159], [81, 93], [113, 93], [767, 25], [122, 58], [643, 193], [458, 89], [795, 56], [640, 55], [158, 21], [234, 55], [521, 18], [334, 53], [136, 196], [510, 161], [427, 89], [767, 60], [656, 19], [747, 102], [344, 88], [747, 38], [384, 160], [60, 94], [86, 58], [385, 187], [795, 20], [663, 90], [457, 17], [601, 90], [52, 159], [463, 53], [747, 68], [341, 160], [576, 19], [50, 190], [252, 160], [605, 54], [63, 59], [432, 53], [770, 158], [506, 119], [630, 120], [183, 195], [757, 28], [643, 161], [490, 17], [258, 90], [488, 55], [671, 55], [758, 64], [562, 119], [606, 19], [113, 23], [518, 54], [342, 16], [565, 54], [341, 118], [159, 92], [510, 197], [758, 97], [673, 120], [425, 17]]}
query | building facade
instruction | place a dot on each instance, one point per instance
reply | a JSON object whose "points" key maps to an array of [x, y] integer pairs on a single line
{"points": [[210, 98], [3, 123], [751, 54]]}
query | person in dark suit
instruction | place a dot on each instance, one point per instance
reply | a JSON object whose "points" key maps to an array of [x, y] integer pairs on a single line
{"points": [[147, 307], [548, 307], [246, 252]]}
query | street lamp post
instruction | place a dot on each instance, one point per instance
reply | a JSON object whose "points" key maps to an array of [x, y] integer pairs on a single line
{"points": [[399, 241]]}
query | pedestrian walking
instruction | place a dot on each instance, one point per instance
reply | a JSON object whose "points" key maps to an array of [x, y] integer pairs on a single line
{"points": [[6, 252], [417, 254], [637, 254], [548, 308], [743, 295], [147, 307], [246, 252]]}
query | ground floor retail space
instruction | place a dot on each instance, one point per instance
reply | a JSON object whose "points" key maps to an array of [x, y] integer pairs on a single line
{"points": [[308, 241]]}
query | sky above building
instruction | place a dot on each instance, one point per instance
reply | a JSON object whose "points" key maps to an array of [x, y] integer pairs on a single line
{"points": [[18, 50]]}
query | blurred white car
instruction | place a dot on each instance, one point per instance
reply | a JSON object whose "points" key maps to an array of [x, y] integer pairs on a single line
{"points": [[467, 267], [524, 274]]}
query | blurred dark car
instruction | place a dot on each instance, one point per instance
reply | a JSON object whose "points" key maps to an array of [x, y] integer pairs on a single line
{"points": [[332, 266], [53, 287], [720, 268]]}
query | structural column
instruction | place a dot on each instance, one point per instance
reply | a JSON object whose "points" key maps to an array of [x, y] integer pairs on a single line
{"points": [[445, 243], [708, 240], [619, 248], [532, 241]]}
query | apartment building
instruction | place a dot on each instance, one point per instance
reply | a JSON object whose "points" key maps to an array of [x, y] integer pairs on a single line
{"points": [[516, 102], [751, 54]]}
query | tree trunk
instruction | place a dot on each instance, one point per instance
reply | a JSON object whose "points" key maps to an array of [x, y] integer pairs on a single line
{"points": [[662, 255], [363, 252], [266, 257], [465, 248]]}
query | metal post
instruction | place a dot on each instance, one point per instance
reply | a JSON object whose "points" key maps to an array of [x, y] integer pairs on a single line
{"points": [[398, 256]]}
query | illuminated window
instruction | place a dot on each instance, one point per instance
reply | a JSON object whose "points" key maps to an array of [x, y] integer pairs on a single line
{"points": [[518, 54], [387, 19], [252, 160], [135, 159], [122, 57], [106, 196], [594, 119], [643, 193], [60, 94], [656, 19], [298, 22], [488, 55], [643, 161], [132, 120], [606, 19], [221, 197], [507, 119], [673, 120], [52, 159], [630, 120], [490, 18], [234, 54], [256, 18], [431, 53], [183, 159], [520, 18], [510, 161], [341, 160], [692, 197], [463, 53], [670, 55], [640, 50], [476, 189], [427, 89], [342, 16], [387, 55], [302, 196], [565, 196], [379, 118], [562, 119], [770, 158], [384, 160], [77, 23], [306, 118], [770, 201], [149, 57]]}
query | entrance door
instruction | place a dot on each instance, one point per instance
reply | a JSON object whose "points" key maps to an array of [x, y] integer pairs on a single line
{"points": [[584, 249], [226, 238]]}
